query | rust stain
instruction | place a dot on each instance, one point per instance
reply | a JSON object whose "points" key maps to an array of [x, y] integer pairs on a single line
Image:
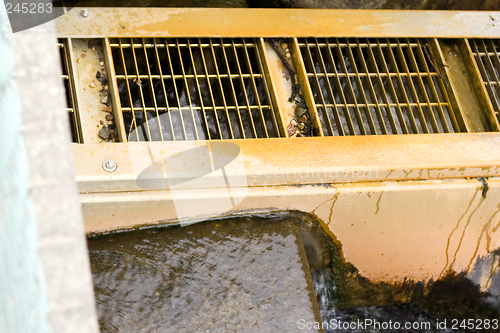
{"points": [[335, 197], [314, 210], [453, 231], [488, 237], [492, 271], [486, 226], [496, 227], [465, 228], [378, 202]]}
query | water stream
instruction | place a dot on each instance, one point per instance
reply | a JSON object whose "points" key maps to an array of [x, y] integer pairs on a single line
{"points": [[241, 275], [262, 273]]}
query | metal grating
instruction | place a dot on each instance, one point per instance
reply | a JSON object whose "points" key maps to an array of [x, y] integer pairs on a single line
{"points": [[68, 85], [370, 86], [192, 89], [486, 56]]}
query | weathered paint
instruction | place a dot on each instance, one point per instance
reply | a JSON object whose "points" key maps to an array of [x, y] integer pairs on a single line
{"points": [[309, 160], [402, 206], [464, 86], [244, 22], [86, 62], [281, 86], [388, 230]]}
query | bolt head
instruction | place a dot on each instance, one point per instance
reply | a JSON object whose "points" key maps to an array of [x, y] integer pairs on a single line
{"points": [[109, 165], [84, 13]]}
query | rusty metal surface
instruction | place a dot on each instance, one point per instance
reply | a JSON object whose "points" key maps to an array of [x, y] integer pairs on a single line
{"points": [[309, 160], [230, 22], [280, 84], [445, 223], [114, 93], [470, 105], [87, 60], [357, 185]]}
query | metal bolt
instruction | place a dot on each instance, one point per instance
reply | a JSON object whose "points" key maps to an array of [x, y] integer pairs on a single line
{"points": [[84, 13], [109, 165]]}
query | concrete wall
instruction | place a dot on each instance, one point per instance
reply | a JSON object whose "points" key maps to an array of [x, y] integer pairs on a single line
{"points": [[44, 267]]}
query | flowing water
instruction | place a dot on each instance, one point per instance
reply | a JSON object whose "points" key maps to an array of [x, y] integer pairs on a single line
{"points": [[258, 273], [241, 275]]}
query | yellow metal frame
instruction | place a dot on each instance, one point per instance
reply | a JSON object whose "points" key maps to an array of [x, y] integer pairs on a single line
{"points": [[236, 22], [401, 205], [312, 160]]}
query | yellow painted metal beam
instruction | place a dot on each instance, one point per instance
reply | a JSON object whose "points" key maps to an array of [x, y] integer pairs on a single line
{"points": [[307, 160], [388, 230], [242, 22]]}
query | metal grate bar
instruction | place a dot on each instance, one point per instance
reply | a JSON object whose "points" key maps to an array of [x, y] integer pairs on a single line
{"points": [[322, 99], [176, 95], [371, 90], [254, 89], [371, 75], [339, 127], [355, 45], [163, 90], [198, 89], [376, 86], [67, 77], [342, 97], [227, 121], [209, 84], [128, 95], [489, 72], [235, 100], [141, 95], [187, 95], [189, 76], [152, 94], [401, 125], [430, 120], [271, 115], [350, 90], [192, 89], [252, 131], [372, 59], [182, 45], [422, 124], [361, 90], [491, 69], [398, 75], [445, 115], [445, 122], [441, 126], [496, 67]]}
